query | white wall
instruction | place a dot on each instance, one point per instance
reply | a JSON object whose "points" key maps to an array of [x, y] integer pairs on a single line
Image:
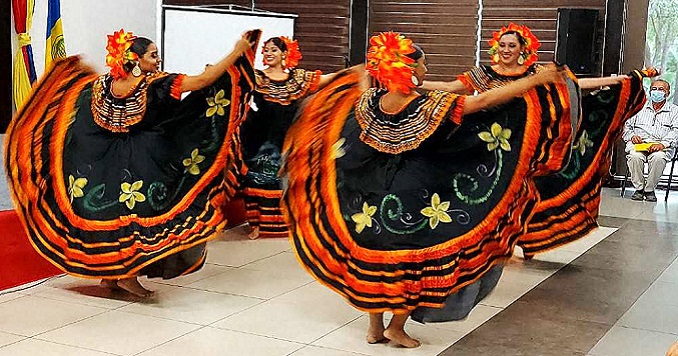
{"points": [[216, 34], [86, 24]]}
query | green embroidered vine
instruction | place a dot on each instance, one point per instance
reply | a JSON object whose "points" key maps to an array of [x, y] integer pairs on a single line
{"points": [[467, 198], [388, 215], [94, 202]]}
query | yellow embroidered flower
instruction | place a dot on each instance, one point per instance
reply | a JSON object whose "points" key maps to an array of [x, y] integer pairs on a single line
{"points": [[583, 143], [217, 104], [498, 137], [75, 187], [130, 194], [437, 212], [191, 163], [338, 148], [365, 218]]}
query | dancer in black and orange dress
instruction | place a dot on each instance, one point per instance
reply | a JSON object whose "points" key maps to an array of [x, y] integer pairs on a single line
{"points": [[279, 88], [114, 176], [396, 204], [569, 200]]}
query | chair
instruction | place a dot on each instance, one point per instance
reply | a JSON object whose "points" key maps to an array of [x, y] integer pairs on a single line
{"points": [[661, 179]]}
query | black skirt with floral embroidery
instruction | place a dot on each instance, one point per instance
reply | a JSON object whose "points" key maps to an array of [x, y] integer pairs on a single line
{"points": [[262, 135], [396, 211], [112, 187]]}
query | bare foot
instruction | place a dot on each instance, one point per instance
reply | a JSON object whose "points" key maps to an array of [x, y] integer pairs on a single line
{"points": [[133, 286], [375, 330], [376, 336], [109, 283], [254, 234], [401, 338]]}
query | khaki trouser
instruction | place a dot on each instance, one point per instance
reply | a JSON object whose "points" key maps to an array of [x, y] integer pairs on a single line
{"points": [[656, 162]]}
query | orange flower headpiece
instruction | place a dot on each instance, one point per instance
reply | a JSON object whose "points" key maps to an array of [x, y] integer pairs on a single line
{"points": [[387, 61], [119, 52], [529, 54], [293, 52]]}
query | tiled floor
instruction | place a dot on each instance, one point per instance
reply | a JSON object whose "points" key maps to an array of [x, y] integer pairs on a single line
{"points": [[253, 298]]}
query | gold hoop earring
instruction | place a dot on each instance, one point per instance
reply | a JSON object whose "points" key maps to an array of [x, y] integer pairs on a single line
{"points": [[521, 59]]}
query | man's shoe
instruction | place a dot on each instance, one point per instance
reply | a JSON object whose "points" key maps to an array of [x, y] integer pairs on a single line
{"points": [[638, 195], [649, 196]]}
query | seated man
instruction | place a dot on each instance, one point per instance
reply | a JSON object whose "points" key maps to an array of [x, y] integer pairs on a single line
{"points": [[650, 138]]}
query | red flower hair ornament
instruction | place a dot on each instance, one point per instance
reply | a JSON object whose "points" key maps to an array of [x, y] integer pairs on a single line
{"points": [[119, 53], [387, 61], [529, 54], [293, 53]]}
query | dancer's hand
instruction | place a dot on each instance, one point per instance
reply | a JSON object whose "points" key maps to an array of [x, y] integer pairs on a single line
{"points": [[243, 44], [550, 73], [636, 139]]}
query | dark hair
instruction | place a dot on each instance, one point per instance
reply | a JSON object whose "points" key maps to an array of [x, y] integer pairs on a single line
{"points": [[418, 52], [278, 42], [521, 39], [140, 47]]}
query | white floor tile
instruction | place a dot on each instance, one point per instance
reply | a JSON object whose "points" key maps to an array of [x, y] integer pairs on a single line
{"points": [[6, 339], [120, 333], [323, 351], [190, 305], [649, 315], [614, 205], [215, 342], [82, 291], [11, 296], [252, 283], [622, 341], [236, 250], [352, 338], [313, 294], [33, 347], [290, 321], [286, 261], [557, 256], [660, 293], [670, 274], [208, 270], [508, 290], [32, 315]]}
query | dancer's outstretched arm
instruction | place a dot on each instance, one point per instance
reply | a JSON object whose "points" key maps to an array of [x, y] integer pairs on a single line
{"points": [[213, 72], [456, 86], [494, 97], [591, 83]]}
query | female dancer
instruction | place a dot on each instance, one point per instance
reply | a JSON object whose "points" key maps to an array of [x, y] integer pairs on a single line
{"points": [[568, 209], [114, 176], [514, 55], [394, 203], [279, 88]]}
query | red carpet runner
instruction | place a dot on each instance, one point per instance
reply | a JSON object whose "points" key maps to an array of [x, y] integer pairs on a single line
{"points": [[19, 262]]}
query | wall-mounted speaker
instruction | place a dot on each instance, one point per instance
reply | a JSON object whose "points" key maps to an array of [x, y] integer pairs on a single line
{"points": [[576, 39]]}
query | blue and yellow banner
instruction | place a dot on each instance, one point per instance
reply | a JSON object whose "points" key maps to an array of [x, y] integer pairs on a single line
{"points": [[56, 46]]}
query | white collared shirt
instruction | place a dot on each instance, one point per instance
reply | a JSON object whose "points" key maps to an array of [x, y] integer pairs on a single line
{"points": [[660, 126]]}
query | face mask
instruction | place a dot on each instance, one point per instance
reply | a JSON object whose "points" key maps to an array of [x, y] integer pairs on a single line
{"points": [[657, 96]]}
